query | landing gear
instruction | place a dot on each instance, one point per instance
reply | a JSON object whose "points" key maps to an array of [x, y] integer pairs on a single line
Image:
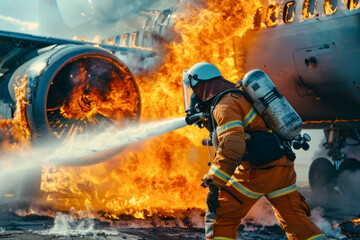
{"points": [[324, 175], [347, 177]]}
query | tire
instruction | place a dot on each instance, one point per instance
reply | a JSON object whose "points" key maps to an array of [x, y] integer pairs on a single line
{"points": [[349, 176], [322, 176]]}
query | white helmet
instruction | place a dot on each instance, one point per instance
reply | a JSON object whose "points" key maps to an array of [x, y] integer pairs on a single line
{"points": [[202, 71]]}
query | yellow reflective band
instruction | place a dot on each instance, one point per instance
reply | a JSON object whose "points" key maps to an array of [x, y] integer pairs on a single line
{"points": [[244, 190], [282, 191], [317, 237], [250, 116], [223, 238], [233, 124], [219, 173]]}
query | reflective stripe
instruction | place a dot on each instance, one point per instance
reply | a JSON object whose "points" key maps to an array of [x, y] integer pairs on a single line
{"points": [[233, 124], [282, 192], [209, 223], [317, 237], [223, 238], [243, 190], [250, 116], [219, 173]]}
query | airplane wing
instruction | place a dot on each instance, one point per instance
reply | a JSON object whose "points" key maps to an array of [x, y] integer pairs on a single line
{"points": [[15, 47]]}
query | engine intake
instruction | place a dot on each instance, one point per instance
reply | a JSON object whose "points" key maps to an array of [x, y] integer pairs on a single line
{"points": [[74, 88]]}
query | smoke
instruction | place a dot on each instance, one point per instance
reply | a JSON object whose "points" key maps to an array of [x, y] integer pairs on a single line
{"points": [[325, 226], [261, 214], [90, 18], [64, 225], [23, 178]]}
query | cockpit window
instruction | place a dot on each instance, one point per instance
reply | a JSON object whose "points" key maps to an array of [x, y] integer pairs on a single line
{"points": [[257, 18], [272, 15], [353, 4], [289, 12], [309, 9], [330, 6]]}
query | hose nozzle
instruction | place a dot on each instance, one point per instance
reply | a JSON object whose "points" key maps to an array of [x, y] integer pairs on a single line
{"points": [[195, 118]]}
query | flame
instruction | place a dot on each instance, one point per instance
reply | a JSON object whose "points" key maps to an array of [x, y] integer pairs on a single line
{"points": [[329, 8], [353, 4], [272, 15], [289, 6], [89, 101], [307, 13], [134, 37], [350, 228], [15, 132], [162, 175]]}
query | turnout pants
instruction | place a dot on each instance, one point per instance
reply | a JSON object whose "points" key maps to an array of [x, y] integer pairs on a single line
{"points": [[277, 184]]}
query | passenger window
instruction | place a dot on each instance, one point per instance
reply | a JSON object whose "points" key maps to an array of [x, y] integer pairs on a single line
{"points": [[125, 40], [135, 39], [330, 6], [353, 4], [257, 18], [117, 40], [272, 14], [289, 12], [309, 9]]}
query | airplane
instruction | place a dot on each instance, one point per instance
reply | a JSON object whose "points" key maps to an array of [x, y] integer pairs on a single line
{"points": [[308, 48], [49, 66]]}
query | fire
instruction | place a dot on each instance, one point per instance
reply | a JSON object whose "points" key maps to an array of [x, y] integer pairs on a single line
{"points": [[350, 228], [353, 4], [90, 101], [329, 8], [162, 175], [15, 132], [290, 12], [271, 16], [309, 9]]}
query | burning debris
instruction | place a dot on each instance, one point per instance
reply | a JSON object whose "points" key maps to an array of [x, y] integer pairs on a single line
{"points": [[351, 228]]}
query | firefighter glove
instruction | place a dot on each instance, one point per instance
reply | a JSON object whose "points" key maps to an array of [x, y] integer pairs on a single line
{"points": [[212, 199]]}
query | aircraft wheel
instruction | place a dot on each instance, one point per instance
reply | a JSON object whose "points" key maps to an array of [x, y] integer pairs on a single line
{"points": [[347, 177], [322, 176]]}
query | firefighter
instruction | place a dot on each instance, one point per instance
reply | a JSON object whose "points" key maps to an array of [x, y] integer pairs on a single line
{"points": [[235, 184]]}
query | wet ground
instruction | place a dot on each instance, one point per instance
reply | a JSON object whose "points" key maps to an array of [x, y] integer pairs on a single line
{"points": [[327, 213]]}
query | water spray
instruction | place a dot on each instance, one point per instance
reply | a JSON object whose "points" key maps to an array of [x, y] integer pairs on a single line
{"points": [[82, 151]]}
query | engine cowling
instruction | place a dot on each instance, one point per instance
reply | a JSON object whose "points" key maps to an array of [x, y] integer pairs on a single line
{"points": [[74, 88]]}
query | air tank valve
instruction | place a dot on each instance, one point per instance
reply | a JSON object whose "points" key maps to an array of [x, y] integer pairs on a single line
{"points": [[302, 142]]}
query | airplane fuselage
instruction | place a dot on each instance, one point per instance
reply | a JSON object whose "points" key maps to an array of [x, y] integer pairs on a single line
{"points": [[314, 62]]}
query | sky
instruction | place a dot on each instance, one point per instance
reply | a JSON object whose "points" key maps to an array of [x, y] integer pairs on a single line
{"points": [[19, 16]]}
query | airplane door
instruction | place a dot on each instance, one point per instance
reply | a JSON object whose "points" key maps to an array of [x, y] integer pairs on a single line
{"points": [[319, 67]]}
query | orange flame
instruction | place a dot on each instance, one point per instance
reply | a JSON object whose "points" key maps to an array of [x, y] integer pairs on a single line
{"points": [[353, 4], [290, 12], [15, 132], [272, 15], [87, 103], [329, 8], [309, 9], [162, 175]]}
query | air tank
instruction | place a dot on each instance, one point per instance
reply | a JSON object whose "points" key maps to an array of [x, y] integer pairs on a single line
{"points": [[268, 101]]}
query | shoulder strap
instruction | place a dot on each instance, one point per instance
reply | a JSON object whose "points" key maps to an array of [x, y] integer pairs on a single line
{"points": [[216, 100]]}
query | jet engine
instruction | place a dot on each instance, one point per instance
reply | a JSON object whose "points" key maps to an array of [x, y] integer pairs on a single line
{"points": [[72, 88]]}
